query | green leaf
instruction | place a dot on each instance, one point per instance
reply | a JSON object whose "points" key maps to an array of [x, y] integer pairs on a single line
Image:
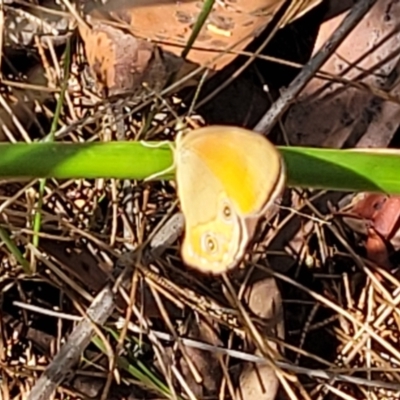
{"points": [[350, 170], [124, 160]]}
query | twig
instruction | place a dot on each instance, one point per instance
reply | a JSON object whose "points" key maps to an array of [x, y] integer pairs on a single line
{"points": [[288, 96]]}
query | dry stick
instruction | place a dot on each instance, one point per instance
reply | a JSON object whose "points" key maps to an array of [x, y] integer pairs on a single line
{"points": [[272, 116]]}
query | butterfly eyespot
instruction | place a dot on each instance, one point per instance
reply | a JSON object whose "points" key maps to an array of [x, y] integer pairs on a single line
{"points": [[210, 244], [226, 212]]}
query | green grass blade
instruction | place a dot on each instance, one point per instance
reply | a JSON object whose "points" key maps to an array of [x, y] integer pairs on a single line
{"points": [[347, 170], [14, 250], [37, 219], [123, 160], [201, 19], [136, 368]]}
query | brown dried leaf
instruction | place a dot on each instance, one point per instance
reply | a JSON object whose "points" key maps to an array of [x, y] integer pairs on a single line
{"points": [[376, 216], [334, 115], [260, 381], [380, 212], [206, 364], [121, 62], [377, 250]]}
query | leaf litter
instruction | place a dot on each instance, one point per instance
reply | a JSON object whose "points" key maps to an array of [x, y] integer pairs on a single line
{"points": [[324, 308]]}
